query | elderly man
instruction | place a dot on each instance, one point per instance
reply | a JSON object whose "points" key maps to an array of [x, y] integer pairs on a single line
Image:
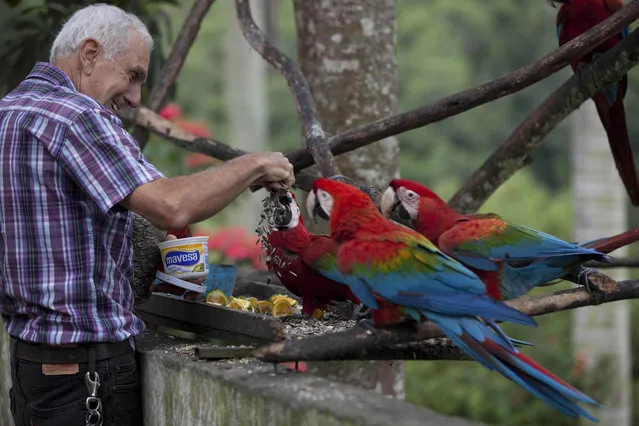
{"points": [[71, 175]]}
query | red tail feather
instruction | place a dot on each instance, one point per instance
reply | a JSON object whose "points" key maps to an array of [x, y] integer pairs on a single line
{"points": [[504, 354], [607, 245], [614, 121], [387, 314]]}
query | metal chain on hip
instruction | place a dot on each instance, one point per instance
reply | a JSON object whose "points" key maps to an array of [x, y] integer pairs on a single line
{"points": [[93, 403]]}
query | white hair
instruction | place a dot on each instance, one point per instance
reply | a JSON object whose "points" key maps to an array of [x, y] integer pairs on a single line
{"points": [[108, 24]]}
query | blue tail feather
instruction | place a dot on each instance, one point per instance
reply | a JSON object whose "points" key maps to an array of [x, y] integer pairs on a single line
{"points": [[517, 281], [493, 351], [463, 304]]}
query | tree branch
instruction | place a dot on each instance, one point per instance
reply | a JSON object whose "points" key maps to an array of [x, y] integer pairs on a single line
{"points": [[178, 55], [218, 151], [356, 341], [621, 262], [145, 117], [513, 82], [514, 153], [454, 104], [313, 133], [176, 59]]}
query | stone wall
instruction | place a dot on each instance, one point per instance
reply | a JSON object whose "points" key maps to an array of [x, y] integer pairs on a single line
{"points": [[181, 390]]}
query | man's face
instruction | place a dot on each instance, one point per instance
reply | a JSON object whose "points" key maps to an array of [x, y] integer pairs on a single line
{"points": [[117, 82]]}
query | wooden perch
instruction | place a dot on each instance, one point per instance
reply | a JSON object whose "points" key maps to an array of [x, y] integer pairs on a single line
{"points": [[358, 340], [514, 153], [217, 320], [313, 133], [620, 262], [176, 59], [513, 82], [435, 349]]}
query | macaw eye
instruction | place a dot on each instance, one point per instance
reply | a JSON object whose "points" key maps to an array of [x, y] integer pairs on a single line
{"points": [[411, 195], [285, 200], [324, 195]]}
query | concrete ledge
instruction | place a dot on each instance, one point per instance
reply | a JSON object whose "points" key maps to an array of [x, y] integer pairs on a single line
{"points": [[178, 389]]}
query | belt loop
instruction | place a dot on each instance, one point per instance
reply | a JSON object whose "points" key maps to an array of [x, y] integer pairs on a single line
{"points": [[92, 359]]}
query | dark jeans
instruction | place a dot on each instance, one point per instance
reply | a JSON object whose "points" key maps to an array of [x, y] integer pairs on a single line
{"points": [[38, 399]]}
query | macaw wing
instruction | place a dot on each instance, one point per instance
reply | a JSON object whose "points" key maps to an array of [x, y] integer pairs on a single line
{"points": [[611, 92], [483, 244], [322, 257], [560, 23], [411, 272]]}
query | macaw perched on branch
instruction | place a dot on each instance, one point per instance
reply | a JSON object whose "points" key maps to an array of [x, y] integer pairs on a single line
{"points": [[292, 248], [573, 19], [509, 258], [395, 264]]}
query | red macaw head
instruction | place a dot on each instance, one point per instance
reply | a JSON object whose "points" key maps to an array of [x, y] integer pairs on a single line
{"points": [[408, 199], [329, 196], [286, 213]]}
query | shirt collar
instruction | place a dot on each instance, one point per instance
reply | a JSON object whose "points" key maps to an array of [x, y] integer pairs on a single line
{"points": [[52, 74], [56, 76]]}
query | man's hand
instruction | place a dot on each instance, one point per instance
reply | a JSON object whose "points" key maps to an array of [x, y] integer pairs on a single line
{"points": [[276, 171]]}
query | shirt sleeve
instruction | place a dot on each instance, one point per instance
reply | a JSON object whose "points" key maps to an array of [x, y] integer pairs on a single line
{"points": [[104, 159]]}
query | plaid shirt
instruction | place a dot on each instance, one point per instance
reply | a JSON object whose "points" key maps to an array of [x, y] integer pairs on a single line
{"points": [[66, 264]]}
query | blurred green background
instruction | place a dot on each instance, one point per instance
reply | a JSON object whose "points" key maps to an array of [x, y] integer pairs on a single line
{"points": [[444, 46]]}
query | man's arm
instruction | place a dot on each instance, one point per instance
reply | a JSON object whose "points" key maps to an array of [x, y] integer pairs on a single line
{"points": [[107, 164], [172, 203]]}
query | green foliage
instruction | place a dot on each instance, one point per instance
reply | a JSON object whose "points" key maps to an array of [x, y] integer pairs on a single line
{"points": [[30, 26]]}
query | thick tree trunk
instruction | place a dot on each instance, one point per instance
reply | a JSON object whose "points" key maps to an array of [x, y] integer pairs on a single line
{"points": [[347, 51], [601, 334]]}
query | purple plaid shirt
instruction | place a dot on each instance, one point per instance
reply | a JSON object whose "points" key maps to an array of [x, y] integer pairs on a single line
{"points": [[66, 264]]}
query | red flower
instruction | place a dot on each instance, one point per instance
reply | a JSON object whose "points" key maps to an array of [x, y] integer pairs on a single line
{"points": [[235, 245], [237, 252], [171, 111]]}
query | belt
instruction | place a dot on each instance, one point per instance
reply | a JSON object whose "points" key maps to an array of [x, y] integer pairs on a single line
{"points": [[79, 353]]}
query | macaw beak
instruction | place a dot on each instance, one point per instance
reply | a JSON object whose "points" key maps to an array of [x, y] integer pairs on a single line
{"points": [[389, 202], [282, 215], [314, 208]]}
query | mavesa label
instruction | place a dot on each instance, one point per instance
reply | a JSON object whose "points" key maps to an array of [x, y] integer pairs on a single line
{"points": [[185, 257]]}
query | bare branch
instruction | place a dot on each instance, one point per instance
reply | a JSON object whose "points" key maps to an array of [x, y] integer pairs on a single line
{"points": [[358, 341], [145, 117], [441, 109], [620, 262], [514, 153], [313, 133], [176, 59], [513, 82], [434, 349], [219, 151], [178, 55]]}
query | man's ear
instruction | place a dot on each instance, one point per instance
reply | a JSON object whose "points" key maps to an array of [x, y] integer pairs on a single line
{"points": [[89, 50]]}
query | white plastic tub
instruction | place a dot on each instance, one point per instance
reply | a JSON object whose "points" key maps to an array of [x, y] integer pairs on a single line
{"points": [[186, 257]]}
